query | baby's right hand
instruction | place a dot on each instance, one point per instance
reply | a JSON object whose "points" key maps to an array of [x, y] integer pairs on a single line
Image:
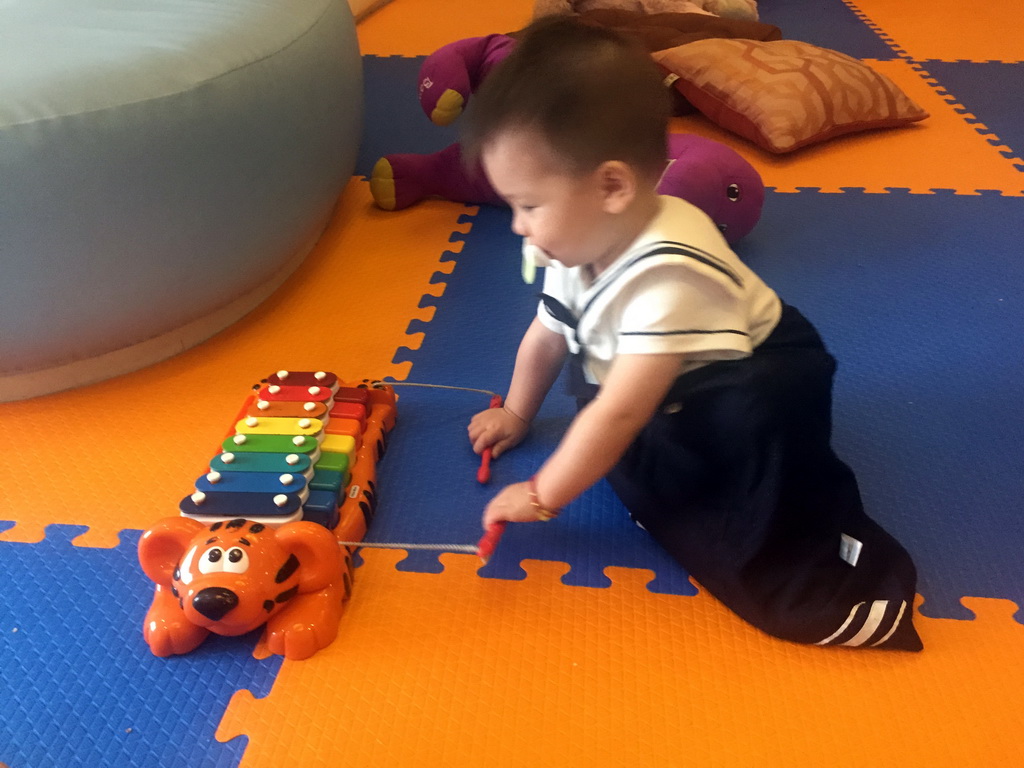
{"points": [[498, 429]]}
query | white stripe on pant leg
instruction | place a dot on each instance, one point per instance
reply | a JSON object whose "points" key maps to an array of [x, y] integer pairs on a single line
{"points": [[842, 629], [871, 623], [896, 623]]}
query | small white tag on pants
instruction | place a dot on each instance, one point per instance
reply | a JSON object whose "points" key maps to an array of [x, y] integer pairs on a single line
{"points": [[849, 548]]}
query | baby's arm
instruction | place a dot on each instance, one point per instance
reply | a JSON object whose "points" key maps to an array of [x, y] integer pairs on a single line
{"points": [[540, 357], [597, 437]]}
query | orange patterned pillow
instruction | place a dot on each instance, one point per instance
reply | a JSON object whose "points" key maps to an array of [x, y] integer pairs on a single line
{"points": [[784, 94]]}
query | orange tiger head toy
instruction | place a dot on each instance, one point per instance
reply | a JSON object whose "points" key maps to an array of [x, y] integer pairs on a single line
{"points": [[231, 577]]}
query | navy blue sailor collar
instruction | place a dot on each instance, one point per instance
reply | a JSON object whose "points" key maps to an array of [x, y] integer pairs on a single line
{"points": [[623, 268]]}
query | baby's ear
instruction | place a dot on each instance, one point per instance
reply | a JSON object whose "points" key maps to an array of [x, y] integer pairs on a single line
{"points": [[617, 183]]}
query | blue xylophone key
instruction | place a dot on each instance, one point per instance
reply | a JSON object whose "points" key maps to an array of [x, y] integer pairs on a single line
{"points": [[252, 482], [272, 509]]}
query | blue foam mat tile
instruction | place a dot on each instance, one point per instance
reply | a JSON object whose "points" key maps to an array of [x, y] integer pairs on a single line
{"points": [[80, 686], [827, 24], [927, 407], [432, 496], [919, 298], [419, 561], [393, 120], [592, 533], [993, 92]]}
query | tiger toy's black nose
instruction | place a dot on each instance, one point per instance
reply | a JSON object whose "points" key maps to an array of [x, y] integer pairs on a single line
{"points": [[214, 602]]}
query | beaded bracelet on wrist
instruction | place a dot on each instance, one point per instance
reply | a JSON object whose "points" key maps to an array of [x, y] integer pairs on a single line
{"points": [[543, 513]]}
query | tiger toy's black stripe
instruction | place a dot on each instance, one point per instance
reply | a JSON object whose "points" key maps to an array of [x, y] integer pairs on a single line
{"points": [[287, 569]]}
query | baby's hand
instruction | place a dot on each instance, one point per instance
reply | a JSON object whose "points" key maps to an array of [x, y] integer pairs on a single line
{"points": [[498, 429], [512, 504]]}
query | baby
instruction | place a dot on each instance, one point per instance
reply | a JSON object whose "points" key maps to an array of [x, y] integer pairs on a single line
{"points": [[703, 398]]}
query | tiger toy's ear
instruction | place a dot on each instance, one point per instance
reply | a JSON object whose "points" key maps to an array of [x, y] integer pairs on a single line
{"points": [[162, 546], [318, 553]]}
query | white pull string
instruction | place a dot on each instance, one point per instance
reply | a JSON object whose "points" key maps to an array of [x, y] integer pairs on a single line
{"points": [[470, 548], [380, 384]]}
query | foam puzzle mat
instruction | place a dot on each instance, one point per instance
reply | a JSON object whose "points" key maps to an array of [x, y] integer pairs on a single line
{"points": [[580, 643]]}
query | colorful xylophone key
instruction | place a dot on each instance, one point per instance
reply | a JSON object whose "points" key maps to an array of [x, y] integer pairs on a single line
{"points": [[304, 446]]}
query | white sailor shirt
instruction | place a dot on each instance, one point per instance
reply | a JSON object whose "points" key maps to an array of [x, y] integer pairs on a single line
{"points": [[678, 288]]}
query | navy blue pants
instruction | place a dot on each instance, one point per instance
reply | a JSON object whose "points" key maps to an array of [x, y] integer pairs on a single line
{"points": [[736, 477]]}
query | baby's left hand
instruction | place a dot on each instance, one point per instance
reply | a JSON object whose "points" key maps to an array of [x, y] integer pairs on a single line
{"points": [[512, 504]]}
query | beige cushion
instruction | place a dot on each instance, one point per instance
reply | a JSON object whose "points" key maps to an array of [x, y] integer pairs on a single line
{"points": [[785, 94]]}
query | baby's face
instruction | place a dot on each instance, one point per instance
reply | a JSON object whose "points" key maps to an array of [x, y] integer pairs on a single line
{"points": [[560, 212]]}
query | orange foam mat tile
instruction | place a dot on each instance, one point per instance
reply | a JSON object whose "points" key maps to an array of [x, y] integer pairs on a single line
{"points": [[453, 669], [948, 30], [122, 453], [944, 151], [420, 27]]}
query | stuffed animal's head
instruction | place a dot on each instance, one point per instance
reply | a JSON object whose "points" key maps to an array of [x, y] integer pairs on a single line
{"points": [[230, 577], [716, 179]]}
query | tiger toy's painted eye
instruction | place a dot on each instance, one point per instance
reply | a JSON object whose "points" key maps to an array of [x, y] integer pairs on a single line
{"points": [[733, 192], [237, 560], [210, 561], [219, 560]]}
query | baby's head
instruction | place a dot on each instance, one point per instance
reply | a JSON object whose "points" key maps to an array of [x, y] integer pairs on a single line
{"points": [[589, 93], [571, 131]]}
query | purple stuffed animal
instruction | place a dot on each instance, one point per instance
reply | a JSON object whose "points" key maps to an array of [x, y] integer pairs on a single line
{"points": [[716, 179], [451, 73], [706, 173]]}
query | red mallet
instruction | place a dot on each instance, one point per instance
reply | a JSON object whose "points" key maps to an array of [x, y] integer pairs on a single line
{"points": [[489, 542], [483, 475]]}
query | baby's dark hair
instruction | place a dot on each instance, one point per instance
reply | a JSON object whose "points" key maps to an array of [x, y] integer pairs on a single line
{"points": [[591, 93]]}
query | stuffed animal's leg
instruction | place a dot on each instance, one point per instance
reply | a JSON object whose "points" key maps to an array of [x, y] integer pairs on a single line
{"points": [[308, 624], [450, 74], [166, 629], [401, 180]]}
